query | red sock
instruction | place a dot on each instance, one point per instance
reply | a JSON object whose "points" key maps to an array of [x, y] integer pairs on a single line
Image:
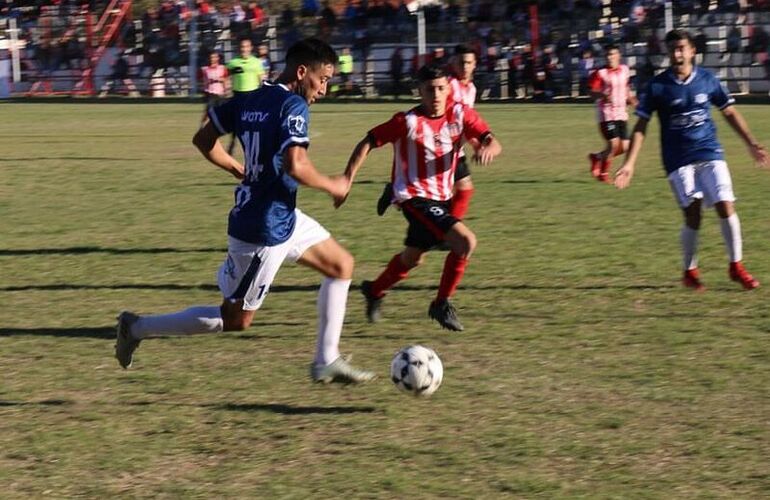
{"points": [[606, 164], [454, 268], [460, 202], [395, 272]]}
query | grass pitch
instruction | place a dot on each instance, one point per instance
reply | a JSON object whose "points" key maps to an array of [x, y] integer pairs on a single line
{"points": [[584, 370]]}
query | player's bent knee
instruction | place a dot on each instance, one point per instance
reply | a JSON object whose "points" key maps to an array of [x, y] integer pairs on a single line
{"points": [[343, 267]]}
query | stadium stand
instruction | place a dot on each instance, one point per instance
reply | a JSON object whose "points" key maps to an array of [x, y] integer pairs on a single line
{"points": [[71, 47]]}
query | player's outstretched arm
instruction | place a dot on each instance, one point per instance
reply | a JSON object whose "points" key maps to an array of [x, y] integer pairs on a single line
{"points": [[626, 172], [207, 142], [298, 165], [489, 148], [358, 156], [738, 123]]}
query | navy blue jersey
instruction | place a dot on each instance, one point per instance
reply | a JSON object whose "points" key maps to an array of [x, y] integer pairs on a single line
{"points": [[266, 121], [687, 132]]}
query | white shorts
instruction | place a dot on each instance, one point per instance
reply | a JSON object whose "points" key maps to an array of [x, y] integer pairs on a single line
{"points": [[706, 180], [249, 269]]}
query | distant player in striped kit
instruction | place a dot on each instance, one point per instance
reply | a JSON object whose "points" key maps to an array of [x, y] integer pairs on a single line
{"points": [[215, 83], [427, 141], [692, 156], [462, 91], [611, 88]]}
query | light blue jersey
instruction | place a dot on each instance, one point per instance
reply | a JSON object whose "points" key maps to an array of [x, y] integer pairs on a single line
{"points": [[266, 121], [687, 132]]}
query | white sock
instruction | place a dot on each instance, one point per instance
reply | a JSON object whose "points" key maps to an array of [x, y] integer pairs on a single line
{"points": [[332, 300], [731, 232], [201, 319], [689, 238]]}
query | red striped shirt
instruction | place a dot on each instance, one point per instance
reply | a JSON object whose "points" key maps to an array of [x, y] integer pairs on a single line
{"points": [[615, 84], [425, 150], [463, 92]]}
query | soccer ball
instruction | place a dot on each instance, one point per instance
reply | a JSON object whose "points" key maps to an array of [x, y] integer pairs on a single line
{"points": [[417, 370]]}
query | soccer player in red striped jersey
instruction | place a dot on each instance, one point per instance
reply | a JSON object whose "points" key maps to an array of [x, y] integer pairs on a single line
{"points": [[611, 88], [462, 91], [427, 141]]}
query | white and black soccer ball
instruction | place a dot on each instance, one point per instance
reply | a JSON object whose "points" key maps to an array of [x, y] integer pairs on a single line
{"points": [[417, 370]]}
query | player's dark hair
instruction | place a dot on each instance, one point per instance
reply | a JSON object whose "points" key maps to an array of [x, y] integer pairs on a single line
{"points": [[463, 49], [244, 39], [674, 36], [610, 47], [430, 72], [311, 52]]}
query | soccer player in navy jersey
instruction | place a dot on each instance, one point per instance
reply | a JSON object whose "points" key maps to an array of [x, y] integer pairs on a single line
{"points": [[692, 156], [265, 227], [427, 141]]}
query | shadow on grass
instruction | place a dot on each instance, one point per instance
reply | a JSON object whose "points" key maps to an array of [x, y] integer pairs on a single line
{"points": [[314, 287], [108, 332], [114, 251], [147, 286], [294, 410], [282, 409], [45, 402], [77, 158]]}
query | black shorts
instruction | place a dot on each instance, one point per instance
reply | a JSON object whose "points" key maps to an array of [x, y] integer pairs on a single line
{"points": [[614, 129], [429, 221], [463, 170], [211, 100]]}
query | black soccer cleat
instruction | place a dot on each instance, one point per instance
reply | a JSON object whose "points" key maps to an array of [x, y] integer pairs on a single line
{"points": [[445, 313], [385, 198], [373, 304]]}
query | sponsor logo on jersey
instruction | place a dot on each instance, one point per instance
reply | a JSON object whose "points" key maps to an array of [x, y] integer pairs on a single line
{"points": [[254, 116], [297, 125], [701, 98], [689, 120]]}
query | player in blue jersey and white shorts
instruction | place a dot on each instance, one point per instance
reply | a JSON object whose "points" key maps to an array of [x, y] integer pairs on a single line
{"points": [[265, 228], [683, 95]]}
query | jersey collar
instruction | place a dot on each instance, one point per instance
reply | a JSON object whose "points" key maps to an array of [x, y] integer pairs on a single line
{"points": [[689, 78], [273, 84]]}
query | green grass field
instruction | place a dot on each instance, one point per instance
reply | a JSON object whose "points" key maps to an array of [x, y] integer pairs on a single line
{"points": [[585, 369]]}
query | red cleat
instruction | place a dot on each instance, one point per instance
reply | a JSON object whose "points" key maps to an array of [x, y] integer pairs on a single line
{"points": [[596, 165], [604, 172], [691, 279], [741, 275]]}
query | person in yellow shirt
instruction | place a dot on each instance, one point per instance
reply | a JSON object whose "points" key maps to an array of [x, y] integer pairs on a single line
{"points": [[345, 66], [245, 74]]}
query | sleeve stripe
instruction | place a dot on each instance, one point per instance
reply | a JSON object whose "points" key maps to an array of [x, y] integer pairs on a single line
{"points": [[729, 102], [214, 119], [295, 140], [642, 114]]}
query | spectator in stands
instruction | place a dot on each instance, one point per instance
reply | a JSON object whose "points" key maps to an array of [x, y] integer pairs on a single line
{"points": [[758, 44], [396, 71], [734, 46], [263, 54], [701, 46], [345, 69], [310, 8], [585, 67], [120, 74]]}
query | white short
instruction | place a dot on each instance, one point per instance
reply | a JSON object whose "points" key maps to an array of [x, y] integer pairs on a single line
{"points": [[249, 269], [706, 180]]}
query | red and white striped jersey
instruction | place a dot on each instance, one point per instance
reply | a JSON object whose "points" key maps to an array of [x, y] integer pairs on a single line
{"points": [[425, 150], [616, 85], [214, 79], [464, 93]]}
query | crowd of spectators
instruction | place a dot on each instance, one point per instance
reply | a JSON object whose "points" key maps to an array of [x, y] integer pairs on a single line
{"points": [[567, 47]]}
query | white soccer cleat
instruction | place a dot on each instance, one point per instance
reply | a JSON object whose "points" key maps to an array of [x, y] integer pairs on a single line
{"points": [[126, 344], [339, 371]]}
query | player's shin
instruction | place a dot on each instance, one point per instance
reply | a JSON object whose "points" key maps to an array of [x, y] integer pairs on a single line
{"points": [[195, 320], [332, 301], [454, 269], [689, 239], [395, 272], [731, 232]]}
